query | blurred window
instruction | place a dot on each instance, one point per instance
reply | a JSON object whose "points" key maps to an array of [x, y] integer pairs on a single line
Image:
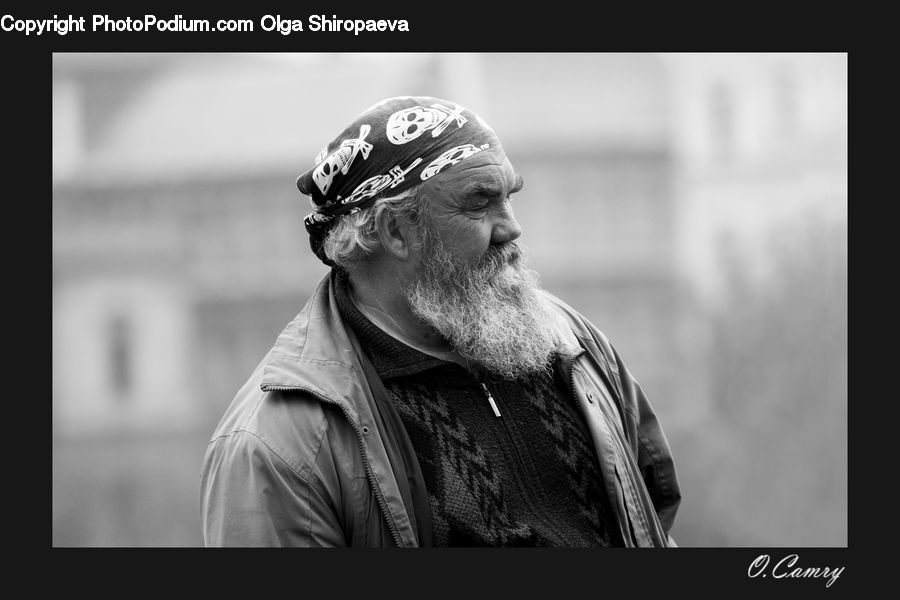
{"points": [[722, 121], [120, 356], [785, 92]]}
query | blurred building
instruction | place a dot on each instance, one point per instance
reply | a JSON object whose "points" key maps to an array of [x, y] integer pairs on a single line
{"points": [[761, 141], [179, 252]]}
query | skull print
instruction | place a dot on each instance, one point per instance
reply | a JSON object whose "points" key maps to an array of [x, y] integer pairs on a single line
{"points": [[408, 124], [341, 159], [451, 157]]}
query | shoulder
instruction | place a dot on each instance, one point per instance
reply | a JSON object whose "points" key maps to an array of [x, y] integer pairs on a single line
{"points": [[594, 342], [291, 425], [583, 329]]}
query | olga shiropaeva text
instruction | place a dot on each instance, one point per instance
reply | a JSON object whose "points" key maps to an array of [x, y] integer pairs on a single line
{"points": [[785, 568]]}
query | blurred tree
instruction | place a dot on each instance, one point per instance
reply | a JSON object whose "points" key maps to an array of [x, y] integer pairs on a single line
{"points": [[779, 387]]}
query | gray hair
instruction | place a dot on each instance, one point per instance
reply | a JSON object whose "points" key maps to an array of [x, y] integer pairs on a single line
{"points": [[354, 236]]}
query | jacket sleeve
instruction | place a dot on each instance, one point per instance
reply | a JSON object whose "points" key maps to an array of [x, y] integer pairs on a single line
{"points": [[250, 496], [654, 457], [652, 452]]}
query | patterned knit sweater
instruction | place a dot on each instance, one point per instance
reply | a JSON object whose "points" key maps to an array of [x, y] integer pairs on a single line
{"points": [[527, 478]]}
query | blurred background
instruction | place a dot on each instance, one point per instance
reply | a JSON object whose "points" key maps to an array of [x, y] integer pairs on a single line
{"points": [[693, 206]]}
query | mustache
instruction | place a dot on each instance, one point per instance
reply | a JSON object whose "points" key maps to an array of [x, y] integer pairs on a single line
{"points": [[499, 256]]}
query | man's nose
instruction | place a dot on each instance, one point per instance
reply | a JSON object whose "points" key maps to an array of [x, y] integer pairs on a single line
{"points": [[506, 228]]}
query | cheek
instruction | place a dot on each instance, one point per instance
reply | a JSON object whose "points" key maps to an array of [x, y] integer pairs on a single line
{"points": [[470, 242]]}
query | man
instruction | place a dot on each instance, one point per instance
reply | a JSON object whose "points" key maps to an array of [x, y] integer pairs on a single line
{"points": [[430, 393]]}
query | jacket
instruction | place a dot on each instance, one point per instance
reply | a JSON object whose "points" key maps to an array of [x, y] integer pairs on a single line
{"points": [[299, 459]]}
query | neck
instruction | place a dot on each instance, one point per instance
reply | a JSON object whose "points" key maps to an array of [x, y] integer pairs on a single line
{"points": [[379, 297]]}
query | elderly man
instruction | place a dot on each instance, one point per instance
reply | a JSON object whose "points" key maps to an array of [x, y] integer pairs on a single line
{"points": [[430, 393]]}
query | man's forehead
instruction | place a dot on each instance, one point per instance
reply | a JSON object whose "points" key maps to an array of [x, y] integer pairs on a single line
{"points": [[488, 179]]}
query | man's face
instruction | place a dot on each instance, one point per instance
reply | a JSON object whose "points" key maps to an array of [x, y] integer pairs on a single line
{"points": [[471, 284], [468, 206]]}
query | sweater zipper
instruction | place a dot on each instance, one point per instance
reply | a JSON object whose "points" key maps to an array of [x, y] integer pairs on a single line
{"points": [[490, 399], [362, 450]]}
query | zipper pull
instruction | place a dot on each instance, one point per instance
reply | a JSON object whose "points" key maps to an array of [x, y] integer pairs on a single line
{"points": [[491, 400]]}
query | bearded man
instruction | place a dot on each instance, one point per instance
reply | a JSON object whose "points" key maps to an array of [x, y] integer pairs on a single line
{"points": [[430, 393]]}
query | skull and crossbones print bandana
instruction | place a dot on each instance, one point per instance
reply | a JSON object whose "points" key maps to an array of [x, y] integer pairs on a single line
{"points": [[394, 145]]}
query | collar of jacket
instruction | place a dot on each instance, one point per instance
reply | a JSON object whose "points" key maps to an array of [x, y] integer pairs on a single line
{"points": [[314, 355]]}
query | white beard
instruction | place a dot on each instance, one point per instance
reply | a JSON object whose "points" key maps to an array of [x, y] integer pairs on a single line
{"points": [[492, 314]]}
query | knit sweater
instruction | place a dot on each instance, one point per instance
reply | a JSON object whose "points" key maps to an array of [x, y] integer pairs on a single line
{"points": [[527, 478]]}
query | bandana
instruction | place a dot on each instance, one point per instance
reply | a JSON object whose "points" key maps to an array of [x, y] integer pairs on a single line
{"points": [[391, 147]]}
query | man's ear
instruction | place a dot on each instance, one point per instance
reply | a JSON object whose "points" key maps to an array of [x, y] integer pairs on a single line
{"points": [[394, 233]]}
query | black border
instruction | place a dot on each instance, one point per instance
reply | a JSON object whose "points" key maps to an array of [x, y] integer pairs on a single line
{"points": [[450, 572]]}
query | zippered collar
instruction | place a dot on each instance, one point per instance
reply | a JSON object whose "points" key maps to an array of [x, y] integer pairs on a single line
{"points": [[314, 353]]}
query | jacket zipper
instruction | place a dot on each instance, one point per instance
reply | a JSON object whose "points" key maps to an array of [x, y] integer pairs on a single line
{"points": [[490, 399], [572, 379], [362, 450]]}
